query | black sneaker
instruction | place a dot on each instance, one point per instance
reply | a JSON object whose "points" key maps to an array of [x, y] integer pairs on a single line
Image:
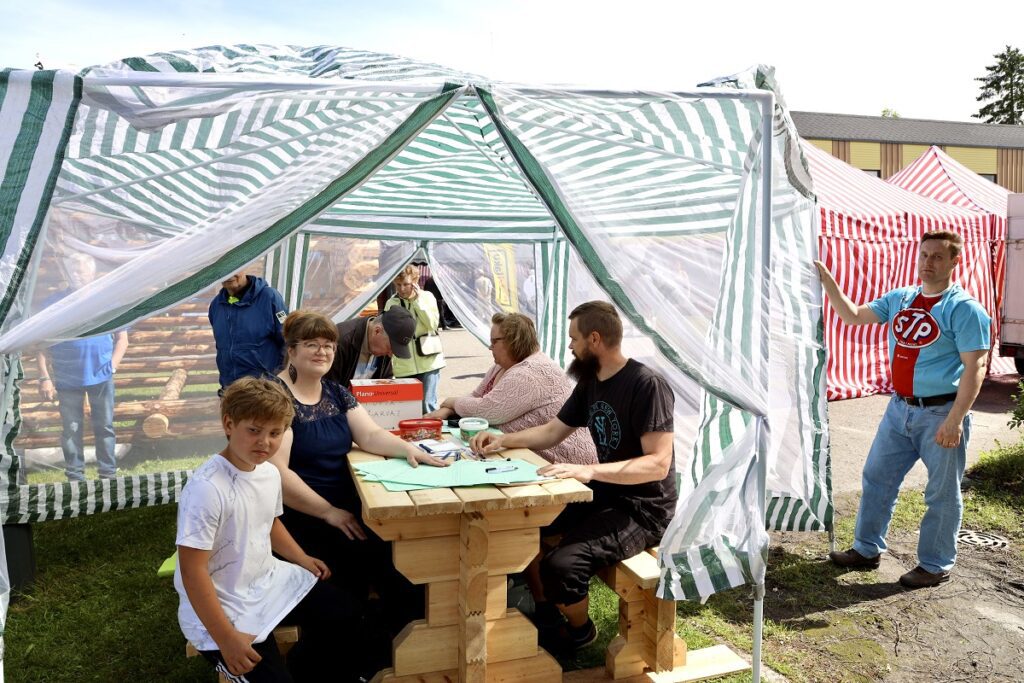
{"points": [[546, 617], [568, 639]]}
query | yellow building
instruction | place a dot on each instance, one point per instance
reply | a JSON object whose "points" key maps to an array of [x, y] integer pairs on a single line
{"points": [[884, 146]]}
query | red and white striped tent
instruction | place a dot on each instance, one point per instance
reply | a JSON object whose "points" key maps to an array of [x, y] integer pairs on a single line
{"points": [[869, 238], [942, 178]]}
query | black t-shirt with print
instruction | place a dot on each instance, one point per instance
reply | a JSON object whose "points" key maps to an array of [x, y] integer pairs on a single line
{"points": [[618, 411]]}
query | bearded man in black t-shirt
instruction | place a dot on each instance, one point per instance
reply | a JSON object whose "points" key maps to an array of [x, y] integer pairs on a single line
{"points": [[628, 409]]}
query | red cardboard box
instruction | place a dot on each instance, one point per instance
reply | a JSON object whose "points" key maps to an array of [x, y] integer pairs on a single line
{"points": [[388, 401]]}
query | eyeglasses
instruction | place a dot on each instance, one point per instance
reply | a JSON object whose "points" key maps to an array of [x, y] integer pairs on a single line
{"points": [[314, 347], [494, 340]]}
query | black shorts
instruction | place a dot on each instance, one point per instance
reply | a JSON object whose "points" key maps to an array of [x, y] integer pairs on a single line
{"points": [[329, 624], [594, 536]]}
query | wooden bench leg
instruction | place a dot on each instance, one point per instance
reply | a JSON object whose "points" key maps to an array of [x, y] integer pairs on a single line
{"points": [[663, 649], [625, 654], [647, 637]]}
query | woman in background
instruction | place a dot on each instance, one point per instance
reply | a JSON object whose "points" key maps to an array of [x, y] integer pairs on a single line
{"points": [[425, 363], [523, 389]]}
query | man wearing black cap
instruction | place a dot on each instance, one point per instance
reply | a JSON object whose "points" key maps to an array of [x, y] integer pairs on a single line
{"points": [[365, 346]]}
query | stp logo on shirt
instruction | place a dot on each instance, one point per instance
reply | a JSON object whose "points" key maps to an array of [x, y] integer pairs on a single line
{"points": [[915, 328]]}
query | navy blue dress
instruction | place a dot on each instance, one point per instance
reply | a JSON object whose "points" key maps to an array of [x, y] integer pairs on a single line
{"points": [[321, 441]]}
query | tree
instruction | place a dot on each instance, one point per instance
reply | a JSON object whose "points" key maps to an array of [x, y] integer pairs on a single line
{"points": [[1004, 84], [888, 113]]}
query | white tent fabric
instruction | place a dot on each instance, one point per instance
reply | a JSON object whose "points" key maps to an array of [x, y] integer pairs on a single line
{"points": [[329, 169]]}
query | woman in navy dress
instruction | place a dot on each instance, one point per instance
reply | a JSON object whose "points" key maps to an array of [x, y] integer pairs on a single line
{"points": [[322, 508]]}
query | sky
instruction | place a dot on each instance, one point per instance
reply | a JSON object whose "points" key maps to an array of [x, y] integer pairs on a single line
{"points": [[919, 59]]}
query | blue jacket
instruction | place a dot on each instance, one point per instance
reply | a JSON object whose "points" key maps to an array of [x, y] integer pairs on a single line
{"points": [[248, 332]]}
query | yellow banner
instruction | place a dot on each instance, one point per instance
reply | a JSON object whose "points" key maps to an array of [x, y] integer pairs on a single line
{"points": [[501, 260]]}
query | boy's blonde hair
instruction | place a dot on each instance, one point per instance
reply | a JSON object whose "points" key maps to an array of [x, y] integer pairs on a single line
{"points": [[258, 400]]}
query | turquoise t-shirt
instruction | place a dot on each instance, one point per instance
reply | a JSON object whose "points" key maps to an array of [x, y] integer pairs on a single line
{"points": [[927, 334]]}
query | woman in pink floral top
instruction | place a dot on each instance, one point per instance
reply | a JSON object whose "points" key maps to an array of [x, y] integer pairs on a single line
{"points": [[523, 389]]}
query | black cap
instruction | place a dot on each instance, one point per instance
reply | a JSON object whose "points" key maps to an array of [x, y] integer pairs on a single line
{"points": [[401, 328]]}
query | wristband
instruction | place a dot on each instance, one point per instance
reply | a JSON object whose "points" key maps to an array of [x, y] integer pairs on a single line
{"points": [[45, 379]]}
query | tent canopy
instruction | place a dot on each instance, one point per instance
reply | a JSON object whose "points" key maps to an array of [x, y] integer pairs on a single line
{"points": [[328, 169]]}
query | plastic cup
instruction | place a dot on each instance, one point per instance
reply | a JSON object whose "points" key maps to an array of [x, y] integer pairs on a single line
{"points": [[471, 426]]}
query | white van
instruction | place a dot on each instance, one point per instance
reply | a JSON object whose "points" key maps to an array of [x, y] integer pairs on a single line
{"points": [[1011, 337]]}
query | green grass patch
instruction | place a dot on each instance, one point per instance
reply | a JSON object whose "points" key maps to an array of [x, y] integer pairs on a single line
{"points": [[151, 393], [97, 611], [148, 467], [994, 500]]}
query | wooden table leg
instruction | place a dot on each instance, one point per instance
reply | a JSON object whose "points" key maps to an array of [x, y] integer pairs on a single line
{"points": [[469, 633], [473, 551]]}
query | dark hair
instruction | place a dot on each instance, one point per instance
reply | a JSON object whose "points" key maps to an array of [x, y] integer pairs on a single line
{"points": [[256, 399], [954, 241], [518, 333], [600, 317], [302, 325]]}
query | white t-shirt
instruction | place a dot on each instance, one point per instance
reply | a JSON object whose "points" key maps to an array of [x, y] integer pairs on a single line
{"points": [[230, 512]]}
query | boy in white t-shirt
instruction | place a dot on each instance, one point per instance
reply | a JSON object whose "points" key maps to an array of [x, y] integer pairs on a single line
{"points": [[233, 591]]}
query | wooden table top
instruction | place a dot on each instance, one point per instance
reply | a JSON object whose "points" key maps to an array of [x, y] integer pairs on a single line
{"points": [[379, 503]]}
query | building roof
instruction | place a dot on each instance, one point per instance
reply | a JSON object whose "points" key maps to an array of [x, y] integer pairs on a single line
{"points": [[817, 125]]}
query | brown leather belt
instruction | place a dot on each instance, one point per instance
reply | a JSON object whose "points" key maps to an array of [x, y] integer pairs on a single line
{"points": [[925, 401]]}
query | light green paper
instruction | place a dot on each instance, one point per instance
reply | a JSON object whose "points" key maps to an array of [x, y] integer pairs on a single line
{"points": [[462, 473]]}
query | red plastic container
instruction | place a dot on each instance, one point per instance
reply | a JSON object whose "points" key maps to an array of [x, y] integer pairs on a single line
{"points": [[420, 428]]}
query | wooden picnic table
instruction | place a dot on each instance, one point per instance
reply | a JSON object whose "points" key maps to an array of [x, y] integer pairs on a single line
{"points": [[462, 543]]}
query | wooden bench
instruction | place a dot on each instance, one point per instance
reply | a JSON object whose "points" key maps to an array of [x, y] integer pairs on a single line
{"points": [[647, 637], [286, 637]]}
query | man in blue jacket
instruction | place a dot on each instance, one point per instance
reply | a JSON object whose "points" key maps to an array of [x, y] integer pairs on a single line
{"points": [[246, 317]]}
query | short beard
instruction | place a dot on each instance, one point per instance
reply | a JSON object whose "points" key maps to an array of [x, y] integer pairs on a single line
{"points": [[583, 368]]}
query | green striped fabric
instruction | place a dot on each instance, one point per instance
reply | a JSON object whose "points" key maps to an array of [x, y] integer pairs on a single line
{"points": [[44, 103], [217, 156], [42, 502], [552, 328]]}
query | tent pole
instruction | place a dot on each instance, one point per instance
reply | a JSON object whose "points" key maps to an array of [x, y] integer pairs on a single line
{"points": [[763, 441], [758, 629]]}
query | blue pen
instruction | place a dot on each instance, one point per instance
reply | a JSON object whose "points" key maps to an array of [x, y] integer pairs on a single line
{"points": [[506, 468]]}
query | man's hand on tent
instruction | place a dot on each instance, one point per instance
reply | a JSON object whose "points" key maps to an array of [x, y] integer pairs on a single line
{"points": [[849, 312]]}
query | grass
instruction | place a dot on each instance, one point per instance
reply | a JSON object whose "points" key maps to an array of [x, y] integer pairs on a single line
{"points": [[97, 611], [993, 502], [190, 462], [151, 393]]}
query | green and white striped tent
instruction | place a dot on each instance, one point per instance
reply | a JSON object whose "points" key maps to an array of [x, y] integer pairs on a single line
{"points": [[177, 169]]}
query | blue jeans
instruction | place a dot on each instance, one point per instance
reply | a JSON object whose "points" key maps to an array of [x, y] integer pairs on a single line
{"points": [[71, 402], [905, 434], [430, 381]]}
